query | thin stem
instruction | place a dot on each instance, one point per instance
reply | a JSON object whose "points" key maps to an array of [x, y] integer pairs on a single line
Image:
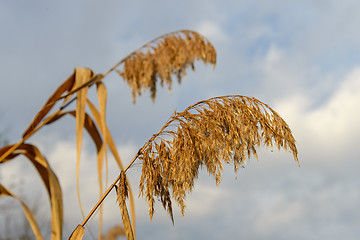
{"points": [[117, 179], [67, 103], [109, 190], [100, 201]]}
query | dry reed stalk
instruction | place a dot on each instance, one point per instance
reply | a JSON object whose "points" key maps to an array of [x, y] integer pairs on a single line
{"points": [[209, 133]]}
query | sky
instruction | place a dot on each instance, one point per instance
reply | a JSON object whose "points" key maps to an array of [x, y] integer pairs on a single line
{"points": [[301, 57]]}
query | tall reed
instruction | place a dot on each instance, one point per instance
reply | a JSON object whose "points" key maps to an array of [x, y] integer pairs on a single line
{"points": [[225, 129]]}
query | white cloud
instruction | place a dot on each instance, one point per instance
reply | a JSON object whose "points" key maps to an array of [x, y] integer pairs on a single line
{"points": [[331, 126], [339, 117], [212, 31], [203, 200], [273, 56], [277, 213]]}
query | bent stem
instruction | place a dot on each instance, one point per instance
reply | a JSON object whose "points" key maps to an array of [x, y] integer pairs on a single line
{"points": [[106, 194], [118, 178], [100, 201]]}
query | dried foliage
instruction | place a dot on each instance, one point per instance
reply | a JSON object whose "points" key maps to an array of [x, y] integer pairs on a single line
{"points": [[209, 133], [122, 194], [50, 180], [161, 58], [28, 214]]}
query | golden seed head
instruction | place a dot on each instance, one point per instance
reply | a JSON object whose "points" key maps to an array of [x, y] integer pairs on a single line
{"points": [[170, 54], [209, 133]]}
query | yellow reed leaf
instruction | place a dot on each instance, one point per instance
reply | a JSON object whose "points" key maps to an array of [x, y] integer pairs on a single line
{"points": [[82, 75], [126, 221], [100, 146], [50, 180], [78, 233], [116, 155], [102, 95], [109, 139], [94, 133], [132, 208], [89, 126], [66, 86], [28, 214], [9, 156]]}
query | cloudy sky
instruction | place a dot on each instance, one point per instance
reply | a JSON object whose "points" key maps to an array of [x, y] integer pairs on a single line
{"points": [[301, 57]]}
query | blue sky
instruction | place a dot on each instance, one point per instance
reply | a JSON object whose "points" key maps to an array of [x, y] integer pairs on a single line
{"points": [[300, 57]]}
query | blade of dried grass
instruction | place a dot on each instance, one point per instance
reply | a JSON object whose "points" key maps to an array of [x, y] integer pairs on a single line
{"points": [[82, 75], [109, 140], [10, 150], [88, 124], [28, 214], [94, 133], [102, 95], [52, 118], [66, 86], [7, 151], [122, 194], [78, 233], [54, 189], [51, 182], [116, 155], [94, 79]]}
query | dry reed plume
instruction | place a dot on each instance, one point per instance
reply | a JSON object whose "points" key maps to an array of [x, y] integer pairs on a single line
{"points": [[161, 58], [209, 133]]}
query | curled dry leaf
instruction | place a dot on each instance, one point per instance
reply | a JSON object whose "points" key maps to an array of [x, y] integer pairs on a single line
{"points": [[169, 54], [50, 180], [92, 129], [28, 214], [66, 86], [113, 150], [209, 133], [82, 76], [94, 132]]}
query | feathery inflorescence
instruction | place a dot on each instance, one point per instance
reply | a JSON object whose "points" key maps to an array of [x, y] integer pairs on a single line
{"points": [[161, 58], [209, 133]]}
